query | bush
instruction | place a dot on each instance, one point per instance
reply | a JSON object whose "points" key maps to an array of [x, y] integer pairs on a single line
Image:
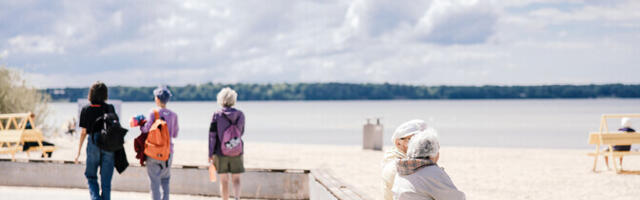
{"points": [[16, 96]]}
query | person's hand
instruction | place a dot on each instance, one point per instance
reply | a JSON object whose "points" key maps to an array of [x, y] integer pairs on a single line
{"points": [[212, 159], [76, 160]]}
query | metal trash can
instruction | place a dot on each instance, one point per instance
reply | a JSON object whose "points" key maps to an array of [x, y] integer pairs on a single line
{"points": [[372, 135]]}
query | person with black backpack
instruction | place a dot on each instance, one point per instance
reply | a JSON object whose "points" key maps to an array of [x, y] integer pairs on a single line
{"points": [[105, 148], [225, 142]]}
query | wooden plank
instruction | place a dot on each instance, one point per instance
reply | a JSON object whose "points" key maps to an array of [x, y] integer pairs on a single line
{"points": [[614, 116], [618, 138], [31, 135], [10, 135], [12, 115]]}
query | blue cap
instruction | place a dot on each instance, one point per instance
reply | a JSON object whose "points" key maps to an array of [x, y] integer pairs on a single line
{"points": [[162, 93]]}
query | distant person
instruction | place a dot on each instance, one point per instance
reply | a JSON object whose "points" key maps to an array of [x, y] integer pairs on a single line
{"points": [[97, 157], [27, 145], [225, 143], [71, 126], [159, 170], [28, 125], [419, 176], [626, 127], [400, 140]]}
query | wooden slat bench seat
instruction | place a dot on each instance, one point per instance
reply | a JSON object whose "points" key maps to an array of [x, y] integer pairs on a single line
{"points": [[604, 138]]}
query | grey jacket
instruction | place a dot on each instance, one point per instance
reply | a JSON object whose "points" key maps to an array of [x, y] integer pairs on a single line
{"points": [[429, 182]]}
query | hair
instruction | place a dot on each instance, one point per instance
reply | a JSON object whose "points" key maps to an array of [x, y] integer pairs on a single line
{"points": [[98, 93], [424, 144], [163, 94], [227, 97]]}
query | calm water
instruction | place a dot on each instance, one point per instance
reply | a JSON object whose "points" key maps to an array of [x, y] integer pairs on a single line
{"points": [[499, 123]]}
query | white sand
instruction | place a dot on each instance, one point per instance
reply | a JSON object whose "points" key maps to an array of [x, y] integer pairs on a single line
{"points": [[482, 173]]}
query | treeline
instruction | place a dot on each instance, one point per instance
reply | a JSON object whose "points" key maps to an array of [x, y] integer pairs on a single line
{"points": [[353, 91]]}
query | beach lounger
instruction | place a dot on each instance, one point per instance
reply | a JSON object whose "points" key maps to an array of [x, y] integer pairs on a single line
{"points": [[605, 138], [14, 134]]}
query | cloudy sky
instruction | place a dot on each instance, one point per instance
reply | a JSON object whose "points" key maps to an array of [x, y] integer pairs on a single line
{"points": [[74, 43]]}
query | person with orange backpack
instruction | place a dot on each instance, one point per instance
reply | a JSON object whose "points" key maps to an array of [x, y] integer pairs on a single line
{"points": [[158, 147]]}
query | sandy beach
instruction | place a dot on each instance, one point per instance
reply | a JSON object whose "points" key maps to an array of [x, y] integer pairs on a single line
{"points": [[482, 173]]}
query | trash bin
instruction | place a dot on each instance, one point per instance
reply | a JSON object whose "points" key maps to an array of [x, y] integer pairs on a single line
{"points": [[372, 135]]}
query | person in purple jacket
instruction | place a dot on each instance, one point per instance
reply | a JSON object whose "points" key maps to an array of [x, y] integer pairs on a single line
{"points": [[222, 119], [159, 171]]}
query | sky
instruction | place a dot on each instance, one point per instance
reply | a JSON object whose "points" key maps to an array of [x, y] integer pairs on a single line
{"points": [[439, 42]]}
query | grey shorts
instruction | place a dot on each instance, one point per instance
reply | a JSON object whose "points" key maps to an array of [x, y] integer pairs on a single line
{"points": [[234, 165]]}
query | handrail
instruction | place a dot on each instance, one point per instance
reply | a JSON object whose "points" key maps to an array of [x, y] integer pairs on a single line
{"points": [[9, 115], [7, 120]]}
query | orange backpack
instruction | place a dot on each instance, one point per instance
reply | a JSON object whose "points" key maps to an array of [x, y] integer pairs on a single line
{"points": [[158, 143]]}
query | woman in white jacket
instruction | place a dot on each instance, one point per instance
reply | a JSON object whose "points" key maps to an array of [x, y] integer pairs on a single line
{"points": [[400, 139]]}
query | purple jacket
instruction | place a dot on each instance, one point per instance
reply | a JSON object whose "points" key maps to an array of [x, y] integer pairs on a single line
{"points": [[172, 122], [219, 124]]}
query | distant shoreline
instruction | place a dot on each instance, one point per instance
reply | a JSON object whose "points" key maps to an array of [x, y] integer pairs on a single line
{"points": [[348, 100], [352, 91]]}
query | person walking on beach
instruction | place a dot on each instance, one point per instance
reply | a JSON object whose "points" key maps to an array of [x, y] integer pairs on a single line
{"points": [[159, 167], [400, 139], [225, 143], [626, 127], [419, 176], [96, 156]]}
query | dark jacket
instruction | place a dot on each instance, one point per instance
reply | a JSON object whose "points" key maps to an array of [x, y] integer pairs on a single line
{"points": [[120, 160], [138, 146]]}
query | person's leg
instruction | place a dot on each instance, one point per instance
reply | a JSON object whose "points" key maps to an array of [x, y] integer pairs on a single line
{"points": [[106, 173], [91, 170], [236, 185], [224, 186], [606, 161], [236, 168], [620, 161], [166, 176], [153, 170]]}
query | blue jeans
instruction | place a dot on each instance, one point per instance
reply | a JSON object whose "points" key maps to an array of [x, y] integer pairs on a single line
{"points": [[159, 174], [97, 157]]}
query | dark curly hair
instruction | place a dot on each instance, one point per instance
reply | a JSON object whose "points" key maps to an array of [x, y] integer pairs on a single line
{"points": [[98, 93]]}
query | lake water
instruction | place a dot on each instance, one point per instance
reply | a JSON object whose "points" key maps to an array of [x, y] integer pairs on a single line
{"points": [[494, 123]]}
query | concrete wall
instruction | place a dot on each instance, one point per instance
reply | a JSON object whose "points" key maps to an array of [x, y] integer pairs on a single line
{"points": [[194, 180]]}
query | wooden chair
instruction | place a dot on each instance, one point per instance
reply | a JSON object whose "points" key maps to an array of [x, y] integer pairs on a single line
{"points": [[14, 134], [604, 137]]}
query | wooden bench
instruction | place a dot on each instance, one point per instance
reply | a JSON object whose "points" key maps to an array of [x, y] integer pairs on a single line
{"points": [[604, 138], [14, 134]]}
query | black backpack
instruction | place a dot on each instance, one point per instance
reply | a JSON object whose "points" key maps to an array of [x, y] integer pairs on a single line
{"points": [[111, 134]]}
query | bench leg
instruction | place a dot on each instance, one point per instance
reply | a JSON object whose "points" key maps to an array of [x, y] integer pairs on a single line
{"points": [[595, 160], [614, 160]]}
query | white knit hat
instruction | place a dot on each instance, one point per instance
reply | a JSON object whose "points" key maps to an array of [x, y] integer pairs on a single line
{"points": [[408, 128], [626, 122]]}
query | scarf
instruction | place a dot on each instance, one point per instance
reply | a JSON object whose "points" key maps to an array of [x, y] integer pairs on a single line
{"points": [[411, 165]]}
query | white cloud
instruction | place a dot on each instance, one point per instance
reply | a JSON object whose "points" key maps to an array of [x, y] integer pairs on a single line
{"points": [[34, 44], [464, 42], [457, 22]]}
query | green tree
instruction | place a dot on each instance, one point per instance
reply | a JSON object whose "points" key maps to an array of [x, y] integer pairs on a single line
{"points": [[17, 96]]}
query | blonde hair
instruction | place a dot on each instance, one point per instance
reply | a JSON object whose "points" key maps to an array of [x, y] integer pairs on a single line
{"points": [[227, 97]]}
